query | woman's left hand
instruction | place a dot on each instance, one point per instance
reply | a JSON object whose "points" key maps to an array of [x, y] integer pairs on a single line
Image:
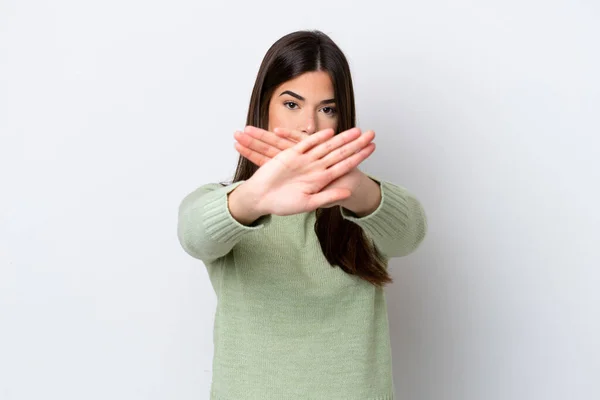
{"points": [[259, 146]]}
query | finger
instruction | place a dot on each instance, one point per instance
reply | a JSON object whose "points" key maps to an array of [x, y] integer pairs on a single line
{"points": [[327, 197], [293, 134], [253, 156], [269, 137], [313, 140], [346, 165], [256, 144], [334, 143], [348, 149], [329, 205]]}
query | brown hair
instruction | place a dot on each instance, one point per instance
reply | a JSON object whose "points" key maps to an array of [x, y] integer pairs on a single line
{"points": [[343, 242]]}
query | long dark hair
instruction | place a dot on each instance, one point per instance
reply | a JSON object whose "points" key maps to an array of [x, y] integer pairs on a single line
{"points": [[343, 242]]}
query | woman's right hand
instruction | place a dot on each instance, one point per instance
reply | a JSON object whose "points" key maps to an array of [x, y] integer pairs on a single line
{"points": [[291, 182]]}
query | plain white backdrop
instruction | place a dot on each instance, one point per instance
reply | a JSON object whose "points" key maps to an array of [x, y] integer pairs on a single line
{"points": [[111, 112]]}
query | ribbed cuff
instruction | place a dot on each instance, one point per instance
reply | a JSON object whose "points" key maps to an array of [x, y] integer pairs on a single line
{"points": [[218, 221], [391, 216]]}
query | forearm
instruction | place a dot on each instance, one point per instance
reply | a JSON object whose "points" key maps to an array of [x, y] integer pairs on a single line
{"points": [[207, 230], [365, 199], [241, 202], [398, 224]]}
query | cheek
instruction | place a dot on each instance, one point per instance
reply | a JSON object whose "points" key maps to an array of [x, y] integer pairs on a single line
{"points": [[279, 117], [275, 121], [273, 117], [326, 122]]}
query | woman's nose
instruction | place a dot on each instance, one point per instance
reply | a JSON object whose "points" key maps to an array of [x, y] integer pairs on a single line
{"points": [[310, 125]]}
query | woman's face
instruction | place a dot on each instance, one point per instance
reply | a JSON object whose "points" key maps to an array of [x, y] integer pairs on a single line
{"points": [[305, 103]]}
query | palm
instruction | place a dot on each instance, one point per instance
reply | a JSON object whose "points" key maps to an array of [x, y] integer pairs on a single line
{"points": [[291, 185], [350, 181], [300, 182]]}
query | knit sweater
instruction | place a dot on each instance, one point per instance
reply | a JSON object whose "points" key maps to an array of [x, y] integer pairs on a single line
{"points": [[288, 325]]}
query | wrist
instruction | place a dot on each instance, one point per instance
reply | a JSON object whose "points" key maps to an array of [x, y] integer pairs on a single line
{"points": [[365, 198], [243, 204]]}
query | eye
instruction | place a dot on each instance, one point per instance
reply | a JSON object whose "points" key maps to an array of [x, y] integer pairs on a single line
{"points": [[291, 105], [329, 110]]}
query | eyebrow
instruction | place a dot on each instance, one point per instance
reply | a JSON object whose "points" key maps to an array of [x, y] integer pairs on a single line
{"points": [[328, 101]]}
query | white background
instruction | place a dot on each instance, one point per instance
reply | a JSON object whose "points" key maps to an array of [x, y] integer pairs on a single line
{"points": [[111, 112]]}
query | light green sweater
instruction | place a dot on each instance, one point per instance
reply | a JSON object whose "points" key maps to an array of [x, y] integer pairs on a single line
{"points": [[289, 326]]}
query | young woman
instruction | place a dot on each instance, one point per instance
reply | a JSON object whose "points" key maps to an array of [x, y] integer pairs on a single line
{"points": [[297, 246]]}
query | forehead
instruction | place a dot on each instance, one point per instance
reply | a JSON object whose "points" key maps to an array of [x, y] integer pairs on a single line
{"points": [[309, 85]]}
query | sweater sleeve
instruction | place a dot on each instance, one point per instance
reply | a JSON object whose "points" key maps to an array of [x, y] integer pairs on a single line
{"points": [[398, 225], [206, 229]]}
